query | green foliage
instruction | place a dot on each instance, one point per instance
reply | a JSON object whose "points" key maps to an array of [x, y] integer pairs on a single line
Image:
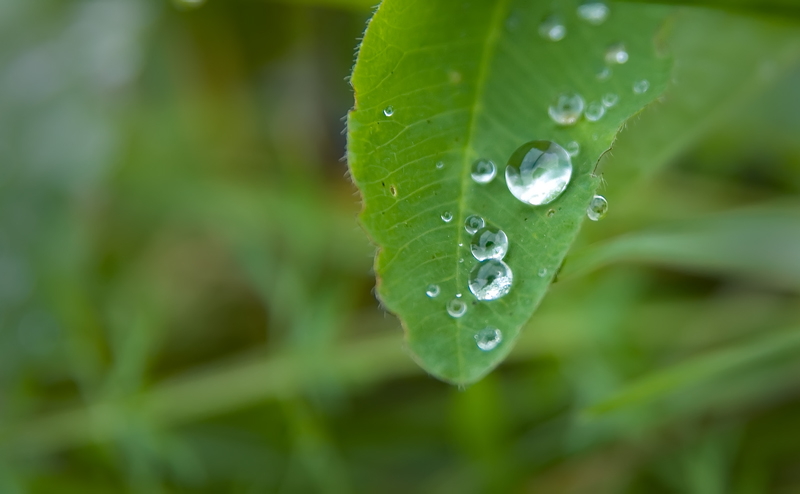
{"points": [[468, 83]]}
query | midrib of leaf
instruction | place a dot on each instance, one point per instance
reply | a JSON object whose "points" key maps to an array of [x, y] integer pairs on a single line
{"points": [[492, 36]]}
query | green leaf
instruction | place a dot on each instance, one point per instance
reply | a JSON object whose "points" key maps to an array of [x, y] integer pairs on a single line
{"points": [[469, 81]]}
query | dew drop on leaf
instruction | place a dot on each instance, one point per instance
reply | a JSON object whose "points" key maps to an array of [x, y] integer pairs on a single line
{"points": [[447, 216], [573, 148], [617, 53], [595, 111], [489, 244], [432, 291], [610, 99], [594, 13], [490, 280], [483, 171], [567, 109], [641, 87], [456, 308], [604, 74], [552, 28], [542, 272], [439, 165], [538, 172], [597, 208], [488, 338], [473, 223], [388, 111]]}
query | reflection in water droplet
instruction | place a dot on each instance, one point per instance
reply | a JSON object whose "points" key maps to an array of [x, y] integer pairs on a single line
{"points": [[641, 87], [483, 171], [597, 208], [542, 272], [573, 148], [595, 111], [538, 172], [490, 280], [489, 244], [447, 216], [473, 223], [552, 29], [440, 165], [617, 53], [488, 338], [388, 111], [604, 74], [593, 12], [456, 308], [432, 291], [610, 99], [567, 109]]}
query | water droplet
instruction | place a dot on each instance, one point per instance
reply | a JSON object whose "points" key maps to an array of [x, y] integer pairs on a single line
{"points": [[388, 111], [595, 111], [552, 29], [488, 338], [439, 165], [490, 280], [641, 87], [597, 208], [542, 272], [538, 172], [551, 213], [473, 223], [458, 295], [447, 216], [617, 53], [456, 308], [483, 171], [593, 12], [461, 244], [610, 99], [432, 291], [567, 109], [573, 148], [489, 244], [461, 260], [604, 74]]}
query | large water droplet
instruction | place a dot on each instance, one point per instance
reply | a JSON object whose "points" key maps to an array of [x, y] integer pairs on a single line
{"points": [[573, 148], [597, 208], [641, 87], [490, 280], [552, 29], [593, 12], [432, 291], [489, 244], [447, 216], [483, 171], [473, 223], [456, 308], [595, 111], [538, 172], [617, 53], [488, 338], [567, 109], [388, 111], [610, 99]]}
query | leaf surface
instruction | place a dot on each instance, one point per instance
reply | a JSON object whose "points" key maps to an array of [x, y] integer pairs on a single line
{"points": [[440, 81]]}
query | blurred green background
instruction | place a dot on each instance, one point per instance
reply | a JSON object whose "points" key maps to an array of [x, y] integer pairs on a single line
{"points": [[186, 299]]}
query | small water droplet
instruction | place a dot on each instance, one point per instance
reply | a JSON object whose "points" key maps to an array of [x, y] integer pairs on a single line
{"points": [[617, 53], [388, 111], [538, 172], [552, 29], [641, 87], [456, 308], [595, 137], [447, 216], [567, 109], [593, 12], [597, 208], [490, 280], [610, 99], [542, 272], [573, 148], [551, 213], [458, 295], [461, 244], [461, 261], [488, 338], [604, 74], [595, 111], [454, 76], [489, 244], [473, 223], [483, 171], [432, 291], [439, 165]]}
